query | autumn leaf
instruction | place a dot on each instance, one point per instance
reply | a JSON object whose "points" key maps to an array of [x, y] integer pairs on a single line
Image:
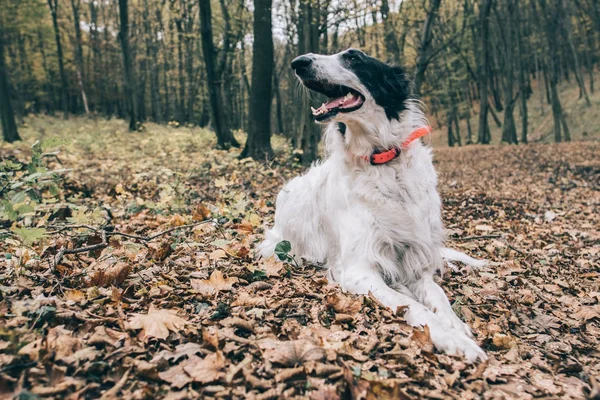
{"points": [[344, 304], [207, 369], [290, 353], [215, 283], [157, 323]]}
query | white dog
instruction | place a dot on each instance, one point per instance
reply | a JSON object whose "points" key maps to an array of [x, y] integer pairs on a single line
{"points": [[371, 211]]}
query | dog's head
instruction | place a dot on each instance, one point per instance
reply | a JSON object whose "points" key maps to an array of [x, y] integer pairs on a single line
{"points": [[358, 86]]}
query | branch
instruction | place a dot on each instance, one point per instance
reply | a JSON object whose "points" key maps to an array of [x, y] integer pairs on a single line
{"points": [[104, 233], [459, 239]]}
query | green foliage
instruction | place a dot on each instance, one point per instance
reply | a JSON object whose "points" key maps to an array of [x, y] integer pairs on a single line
{"points": [[282, 250], [28, 190]]}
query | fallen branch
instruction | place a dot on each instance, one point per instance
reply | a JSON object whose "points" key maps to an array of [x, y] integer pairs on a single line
{"points": [[459, 239], [105, 234]]}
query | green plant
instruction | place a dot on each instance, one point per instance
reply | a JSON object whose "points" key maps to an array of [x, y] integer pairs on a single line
{"points": [[28, 192]]}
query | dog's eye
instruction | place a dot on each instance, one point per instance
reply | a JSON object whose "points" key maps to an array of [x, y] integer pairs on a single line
{"points": [[352, 55]]}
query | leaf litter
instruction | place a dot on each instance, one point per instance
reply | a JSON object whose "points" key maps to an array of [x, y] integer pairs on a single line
{"points": [[193, 313]]}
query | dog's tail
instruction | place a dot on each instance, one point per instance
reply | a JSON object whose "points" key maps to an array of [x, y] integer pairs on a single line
{"points": [[267, 247], [455, 255]]}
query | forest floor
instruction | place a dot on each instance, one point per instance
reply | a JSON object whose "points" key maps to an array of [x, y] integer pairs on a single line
{"points": [[169, 305]]}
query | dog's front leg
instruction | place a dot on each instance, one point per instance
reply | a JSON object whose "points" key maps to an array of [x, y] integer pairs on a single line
{"points": [[363, 278]]}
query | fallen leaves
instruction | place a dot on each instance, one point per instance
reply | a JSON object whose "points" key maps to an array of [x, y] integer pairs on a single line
{"points": [[157, 323], [217, 282], [195, 314]]}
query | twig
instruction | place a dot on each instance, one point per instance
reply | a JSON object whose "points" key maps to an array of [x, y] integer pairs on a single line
{"points": [[459, 239], [61, 253]]}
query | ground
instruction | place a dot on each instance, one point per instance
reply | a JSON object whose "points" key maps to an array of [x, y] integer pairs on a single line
{"points": [[140, 281]]}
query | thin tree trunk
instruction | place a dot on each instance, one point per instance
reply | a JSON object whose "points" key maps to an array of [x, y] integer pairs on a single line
{"points": [[258, 145], [225, 137], [75, 4], [522, 80], [423, 56], [484, 129], [127, 65], [7, 115], [53, 4]]}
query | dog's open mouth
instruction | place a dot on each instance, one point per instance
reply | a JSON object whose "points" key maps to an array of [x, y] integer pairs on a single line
{"points": [[341, 99]]}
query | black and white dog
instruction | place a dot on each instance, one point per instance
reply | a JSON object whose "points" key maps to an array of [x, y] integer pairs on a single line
{"points": [[371, 211]]}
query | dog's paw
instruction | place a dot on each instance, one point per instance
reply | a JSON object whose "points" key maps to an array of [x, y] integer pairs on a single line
{"points": [[455, 342], [451, 321]]}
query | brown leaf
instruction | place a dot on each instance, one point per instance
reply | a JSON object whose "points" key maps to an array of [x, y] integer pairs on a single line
{"points": [[290, 353], [423, 338], [246, 300], [587, 313], [215, 283], [207, 369], [157, 323], [344, 304], [176, 376]]}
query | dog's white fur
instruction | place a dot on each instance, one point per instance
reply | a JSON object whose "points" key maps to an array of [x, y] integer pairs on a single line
{"points": [[377, 228]]}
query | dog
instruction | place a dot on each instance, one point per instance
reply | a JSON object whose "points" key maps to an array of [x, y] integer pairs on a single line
{"points": [[370, 212]]}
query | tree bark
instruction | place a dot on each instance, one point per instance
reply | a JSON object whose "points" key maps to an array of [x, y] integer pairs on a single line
{"points": [[75, 4], [423, 56], [484, 129], [258, 145], [225, 138], [127, 65], [53, 4], [7, 115]]}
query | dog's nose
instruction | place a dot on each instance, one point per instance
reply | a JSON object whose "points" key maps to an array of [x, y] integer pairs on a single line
{"points": [[302, 62]]}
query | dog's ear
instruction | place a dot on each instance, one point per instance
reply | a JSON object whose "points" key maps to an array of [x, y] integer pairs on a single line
{"points": [[398, 89]]}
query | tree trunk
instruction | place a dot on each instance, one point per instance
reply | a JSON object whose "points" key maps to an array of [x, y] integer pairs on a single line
{"points": [[521, 65], [127, 67], [484, 129], [389, 33], [7, 115], [225, 138], [423, 56], [509, 130], [53, 4], [258, 145], [75, 4]]}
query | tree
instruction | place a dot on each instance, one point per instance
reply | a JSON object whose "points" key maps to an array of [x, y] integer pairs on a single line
{"points": [[75, 4], [127, 67], [484, 66], [258, 145], [423, 56], [225, 138], [53, 4], [7, 116]]}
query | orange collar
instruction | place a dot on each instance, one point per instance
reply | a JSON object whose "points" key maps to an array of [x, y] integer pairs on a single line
{"points": [[384, 157]]}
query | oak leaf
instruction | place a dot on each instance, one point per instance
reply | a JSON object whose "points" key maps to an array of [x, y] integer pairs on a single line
{"points": [[215, 283], [157, 323]]}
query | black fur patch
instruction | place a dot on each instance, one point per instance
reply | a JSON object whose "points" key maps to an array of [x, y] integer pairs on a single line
{"points": [[388, 84]]}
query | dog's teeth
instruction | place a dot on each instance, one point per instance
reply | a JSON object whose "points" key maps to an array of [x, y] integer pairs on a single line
{"points": [[314, 110]]}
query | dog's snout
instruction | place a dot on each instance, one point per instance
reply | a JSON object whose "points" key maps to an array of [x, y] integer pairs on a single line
{"points": [[302, 62]]}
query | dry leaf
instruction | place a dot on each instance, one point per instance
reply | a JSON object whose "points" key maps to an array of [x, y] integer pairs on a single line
{"points": [[207, 369], [215, 283], [290, 353], [344, 304], [157, 323]]}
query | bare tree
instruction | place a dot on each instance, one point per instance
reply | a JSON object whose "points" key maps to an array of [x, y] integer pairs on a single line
{"points": [[258, 145], [53, 4], [7, 116], [225, 137], [130, 87]]}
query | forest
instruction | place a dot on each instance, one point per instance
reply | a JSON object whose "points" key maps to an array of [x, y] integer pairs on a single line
{"points": [[474, 63], [144, 145]]}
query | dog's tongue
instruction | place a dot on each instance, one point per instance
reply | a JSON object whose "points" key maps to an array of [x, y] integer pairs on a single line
{"points": [[348, 101]]}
